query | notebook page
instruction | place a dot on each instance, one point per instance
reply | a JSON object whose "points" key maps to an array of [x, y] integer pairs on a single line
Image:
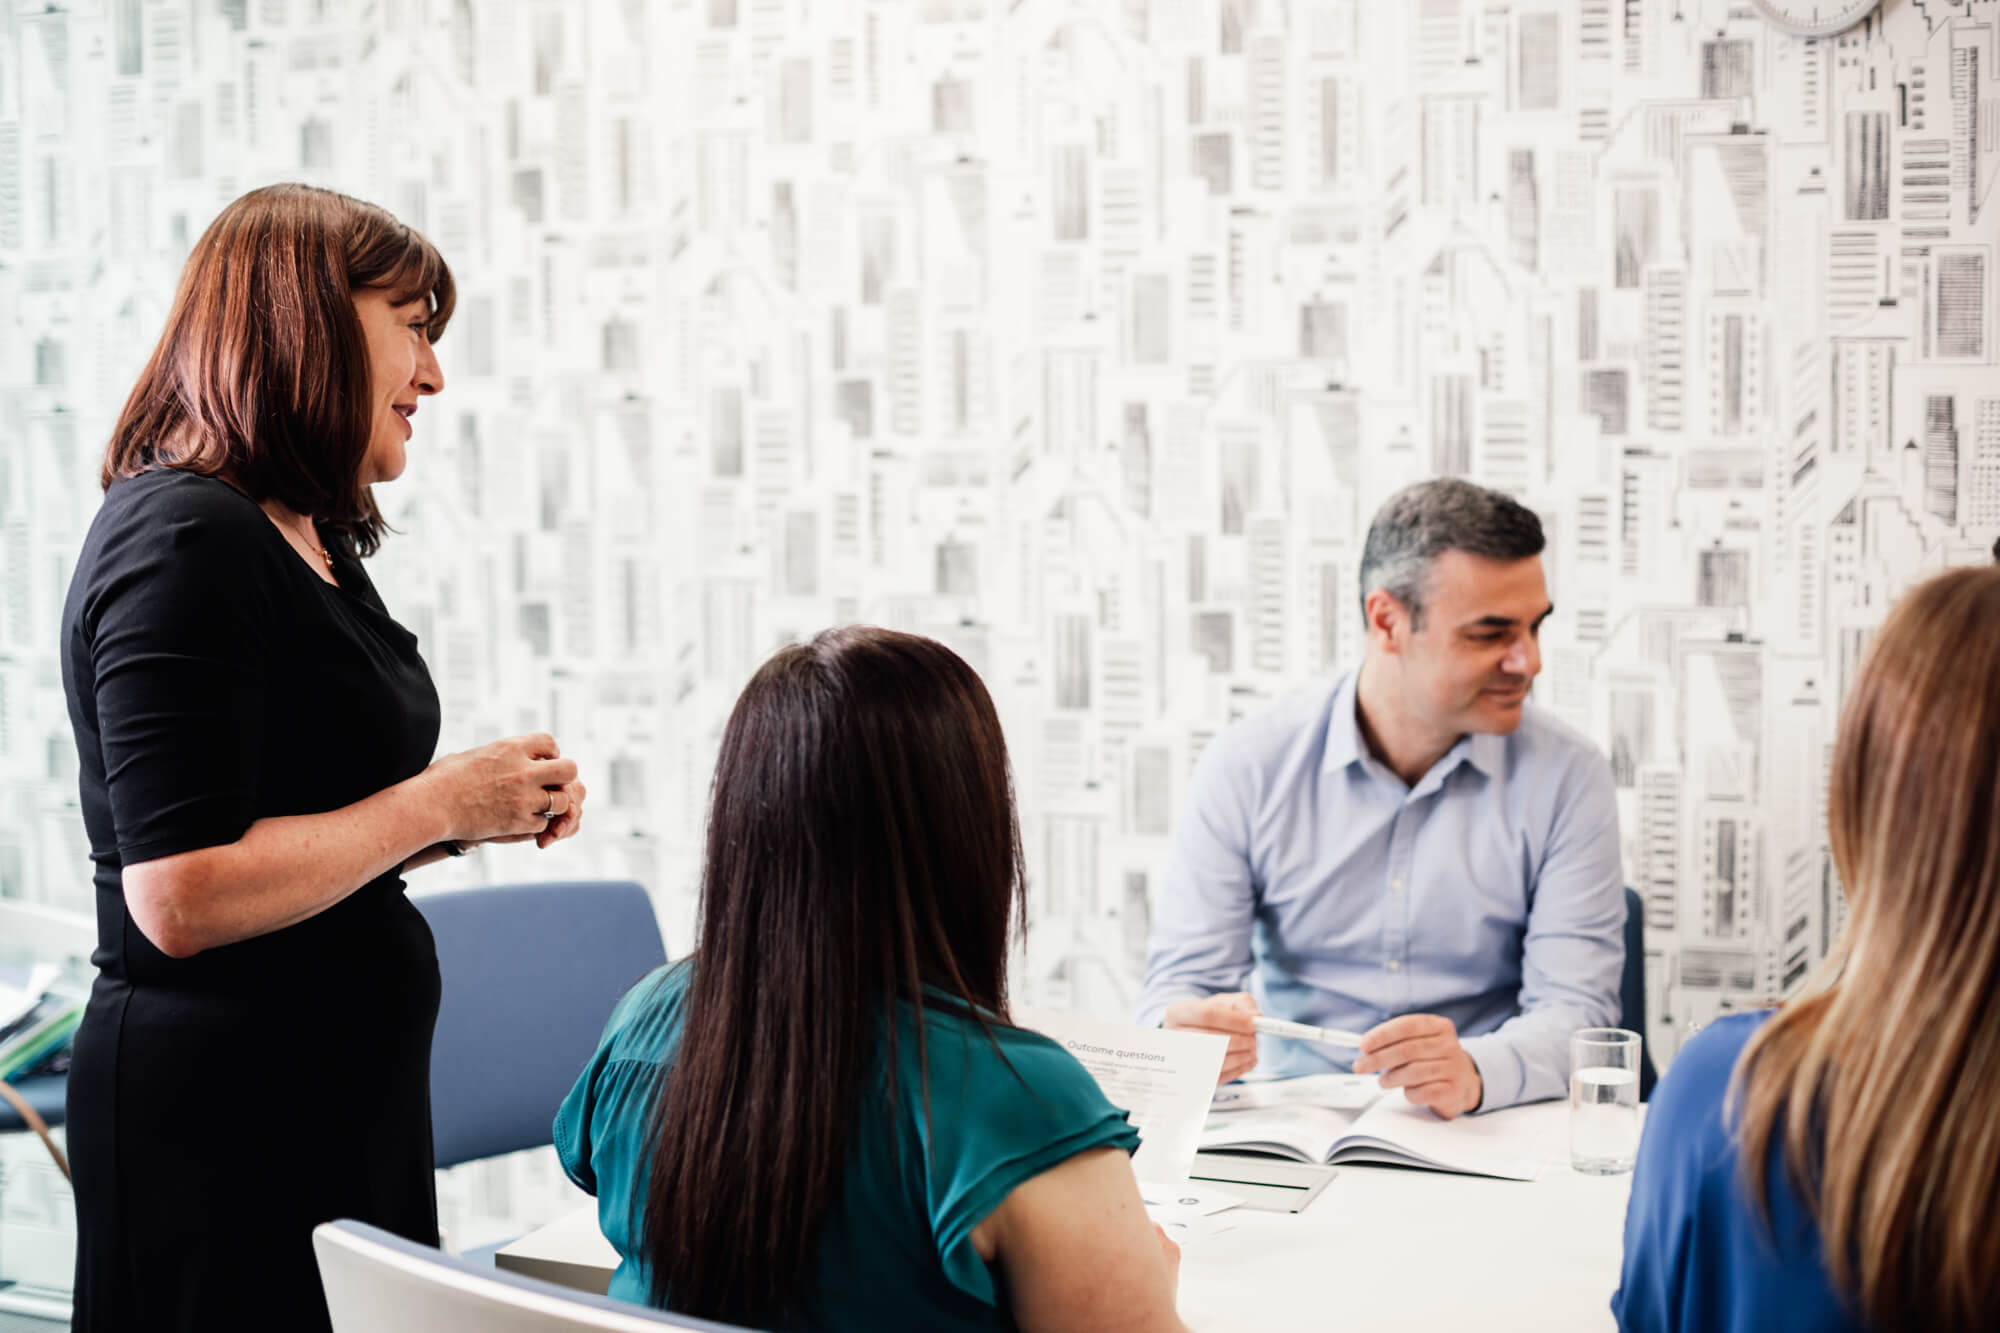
{"points": [[1307, 1132], [1481, 1145]]}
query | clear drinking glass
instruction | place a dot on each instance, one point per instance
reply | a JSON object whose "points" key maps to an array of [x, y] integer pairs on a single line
{"points": [[1603, 1100]]}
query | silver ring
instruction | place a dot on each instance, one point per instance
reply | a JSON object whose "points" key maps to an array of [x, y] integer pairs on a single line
{"points": [[550, 813]]}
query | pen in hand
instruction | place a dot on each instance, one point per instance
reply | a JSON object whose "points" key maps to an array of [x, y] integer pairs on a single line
{"points": [[1278, 1027]]}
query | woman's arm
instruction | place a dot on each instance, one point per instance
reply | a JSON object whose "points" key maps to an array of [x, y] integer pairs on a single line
{"points": [[288, 868], [1076, 1250], [430, 856]]}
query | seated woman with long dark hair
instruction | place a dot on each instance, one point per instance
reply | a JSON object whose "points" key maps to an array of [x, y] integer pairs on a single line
{"points": [[823, 1118], [1832, 1165]]}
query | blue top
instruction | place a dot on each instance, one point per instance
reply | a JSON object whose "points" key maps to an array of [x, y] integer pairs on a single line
{"points": [[1698, 1258], [1490, 893], [896, 1251]]}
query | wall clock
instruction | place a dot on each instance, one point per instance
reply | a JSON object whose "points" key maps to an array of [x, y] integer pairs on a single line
{"points": [[1816, 18]]}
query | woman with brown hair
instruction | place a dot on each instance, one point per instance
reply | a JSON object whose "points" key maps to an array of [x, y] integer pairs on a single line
{"points": [[255, 733], [1832, 1164], [823, 1118]]}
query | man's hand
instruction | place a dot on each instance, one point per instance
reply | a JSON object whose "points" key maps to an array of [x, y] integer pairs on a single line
{"points": [[1230, 1015], [1420, 1054]]}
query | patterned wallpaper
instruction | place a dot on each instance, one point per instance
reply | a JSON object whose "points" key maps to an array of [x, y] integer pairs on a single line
{"points": [[1085, 337]]}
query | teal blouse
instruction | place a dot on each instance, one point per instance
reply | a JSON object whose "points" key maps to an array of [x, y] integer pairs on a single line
{"points": [[896, 1251]]}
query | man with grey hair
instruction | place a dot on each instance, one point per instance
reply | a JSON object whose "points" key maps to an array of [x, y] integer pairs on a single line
{"points": [[1413, 852]]}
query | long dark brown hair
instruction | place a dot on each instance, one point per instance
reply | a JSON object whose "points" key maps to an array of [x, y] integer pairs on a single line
{"points": [[862, 846], [1880, 1080], [261, 375]]}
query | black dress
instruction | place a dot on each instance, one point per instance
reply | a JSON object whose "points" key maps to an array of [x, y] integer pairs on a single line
{"points": [[222, 1105]]}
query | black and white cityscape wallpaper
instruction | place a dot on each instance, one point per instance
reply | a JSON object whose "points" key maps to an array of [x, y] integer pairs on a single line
{"points": [[1084, 335]]}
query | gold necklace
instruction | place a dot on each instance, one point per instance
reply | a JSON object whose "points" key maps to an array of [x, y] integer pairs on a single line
{"points": [[312, 544]]}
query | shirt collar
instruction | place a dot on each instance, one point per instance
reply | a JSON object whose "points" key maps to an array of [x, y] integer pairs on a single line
{"points": [[1483, 751], [1345, 745], [1486, 752]]}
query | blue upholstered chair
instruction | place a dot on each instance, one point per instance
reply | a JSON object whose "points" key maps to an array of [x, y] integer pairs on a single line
{"points": [[530, 973], [1632, 989]]}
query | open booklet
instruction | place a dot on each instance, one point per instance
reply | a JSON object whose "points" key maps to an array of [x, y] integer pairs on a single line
{"points": [[1340, 1118]]}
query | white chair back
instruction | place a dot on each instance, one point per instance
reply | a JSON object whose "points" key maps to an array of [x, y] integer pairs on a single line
{"points": [[377, 1282]]}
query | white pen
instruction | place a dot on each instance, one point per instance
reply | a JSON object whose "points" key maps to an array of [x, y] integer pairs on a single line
{"points": [[1278, 1027]]}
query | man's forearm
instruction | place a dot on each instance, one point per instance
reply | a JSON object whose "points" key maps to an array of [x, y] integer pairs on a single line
{"points": [[1192, 960]]}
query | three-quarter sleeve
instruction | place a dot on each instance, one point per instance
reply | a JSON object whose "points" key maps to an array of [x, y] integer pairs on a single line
{"points": [[176, 628]]}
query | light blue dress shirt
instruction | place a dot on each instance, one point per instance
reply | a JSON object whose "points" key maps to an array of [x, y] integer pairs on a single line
{"points": [[1490, 893]]}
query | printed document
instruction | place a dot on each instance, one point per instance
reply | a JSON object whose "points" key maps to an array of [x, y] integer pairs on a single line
{"points": [[1162, 1079]]}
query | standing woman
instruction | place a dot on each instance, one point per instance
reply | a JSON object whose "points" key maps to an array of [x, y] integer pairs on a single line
{"points": [[1831, 1165], [255, 735]]}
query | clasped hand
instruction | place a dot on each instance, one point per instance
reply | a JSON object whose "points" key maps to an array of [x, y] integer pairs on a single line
{"points": [[503, 792], [1419, 1053]]}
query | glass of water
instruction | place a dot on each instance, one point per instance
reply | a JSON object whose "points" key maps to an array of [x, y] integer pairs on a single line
{"points": [[1603, 1100]]}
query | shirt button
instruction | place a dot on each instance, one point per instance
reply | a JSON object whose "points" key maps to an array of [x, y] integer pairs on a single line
{"points": [[1393, 965], [1395, 886]]}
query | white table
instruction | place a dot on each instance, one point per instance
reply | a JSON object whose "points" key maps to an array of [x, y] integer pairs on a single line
{"points": [[1394, 1248], [1380, 1248]]}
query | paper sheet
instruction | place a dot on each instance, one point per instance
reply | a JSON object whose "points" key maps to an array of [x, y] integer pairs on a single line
{"points": [[1187, 1210], [1492, 1145], [1341, 1092], [1185, 1196], [1163, 1079], [1186, 1229]]}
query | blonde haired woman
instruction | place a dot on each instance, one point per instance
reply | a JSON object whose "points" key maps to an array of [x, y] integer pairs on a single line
{"points": [[1832, 1164]]}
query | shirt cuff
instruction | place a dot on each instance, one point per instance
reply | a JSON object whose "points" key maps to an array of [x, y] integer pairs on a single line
{"points": [[1153, 1004], [1502, 1074]]}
